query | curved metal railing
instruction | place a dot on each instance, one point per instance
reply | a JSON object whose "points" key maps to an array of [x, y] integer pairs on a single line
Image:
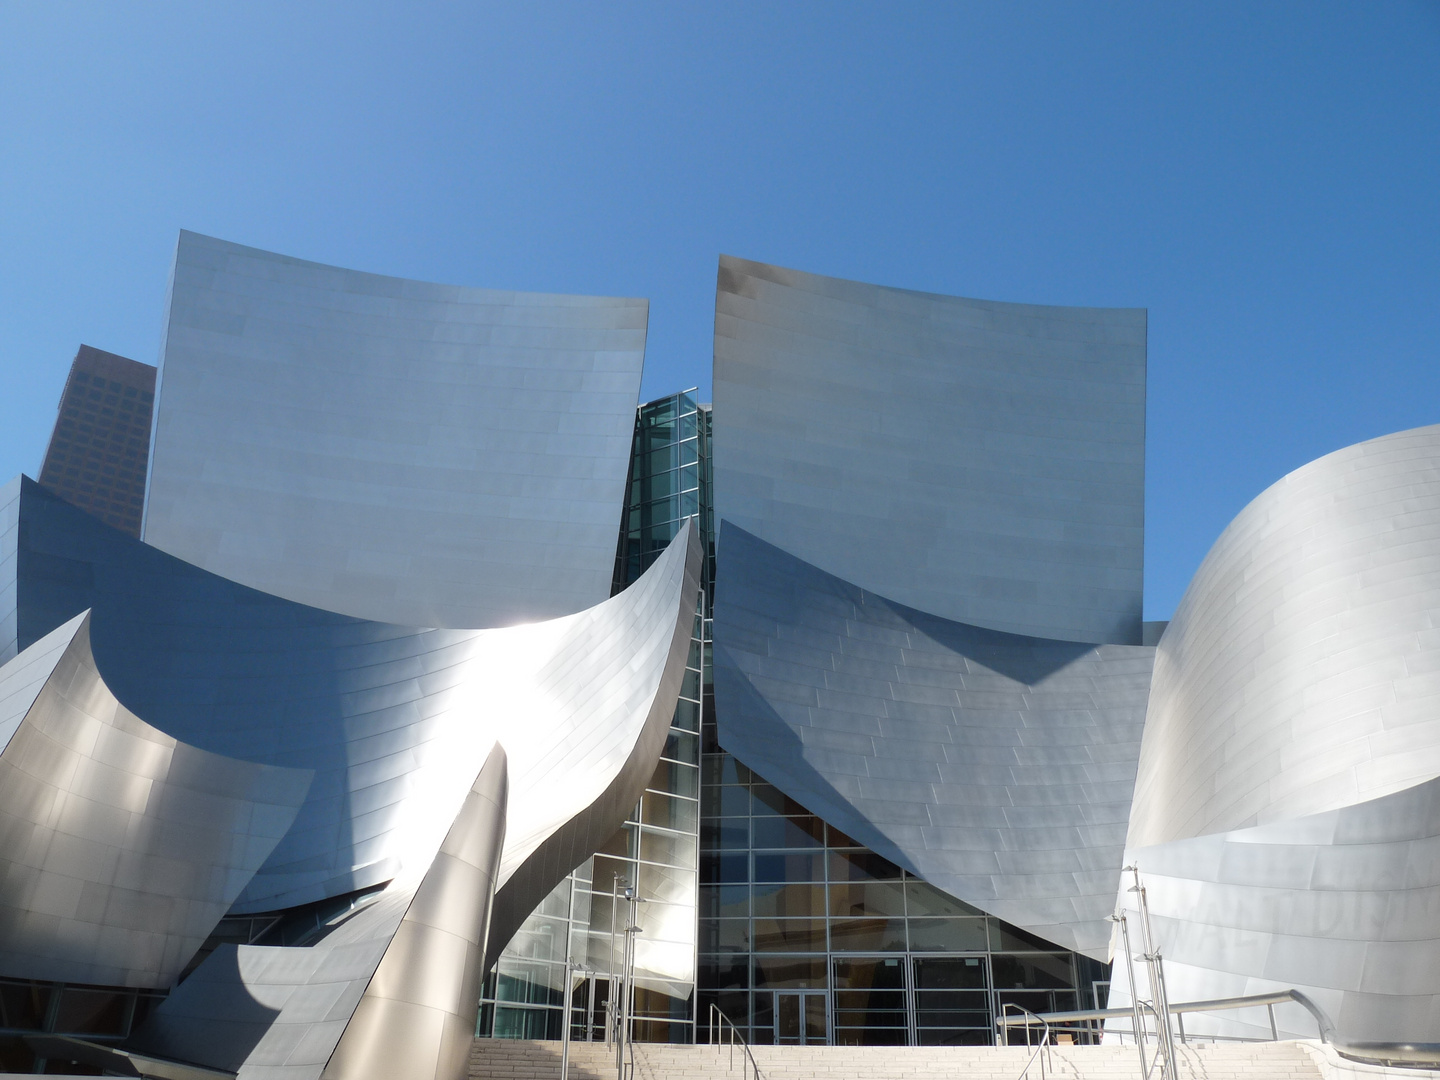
{"points": [[1026, 1019], [718, 1032]]}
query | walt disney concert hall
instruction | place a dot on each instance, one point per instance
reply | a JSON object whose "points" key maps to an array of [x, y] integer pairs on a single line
{"points": [[380, 673]]}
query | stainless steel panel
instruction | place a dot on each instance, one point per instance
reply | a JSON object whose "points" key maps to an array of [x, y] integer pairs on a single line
{"points": [[134, 844], [370, 707], [580, 705], [396, 450], [997, 767], [981, 461], [1301, 671]]}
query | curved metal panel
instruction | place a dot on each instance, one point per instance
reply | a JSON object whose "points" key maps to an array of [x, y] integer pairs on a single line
{"points": [[416, 1020], [371, 708], [122, 847], [1340, 905], [1301, 671], [573, 703], [556, 837], [979, 460], [997, 767], [395, 450]]}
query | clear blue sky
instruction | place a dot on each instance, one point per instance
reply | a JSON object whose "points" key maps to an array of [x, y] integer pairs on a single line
{"points": [[1263, 177]]}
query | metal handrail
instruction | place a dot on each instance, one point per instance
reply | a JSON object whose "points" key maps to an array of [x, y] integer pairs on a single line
{"points": [[1322, 1021], [715, 1011], [1005, 1023]]}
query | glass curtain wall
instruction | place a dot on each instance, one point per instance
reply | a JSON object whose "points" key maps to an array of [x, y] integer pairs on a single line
{"points": [[806, 936], [798, 933], [656, 850]]}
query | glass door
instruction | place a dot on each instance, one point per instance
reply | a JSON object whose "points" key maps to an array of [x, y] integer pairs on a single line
{"points": [[952, 1000], [800, 1017]]}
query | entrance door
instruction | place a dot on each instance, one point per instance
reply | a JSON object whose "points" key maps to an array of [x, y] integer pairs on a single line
{"points": [[952, 1000], [800, 1017]]}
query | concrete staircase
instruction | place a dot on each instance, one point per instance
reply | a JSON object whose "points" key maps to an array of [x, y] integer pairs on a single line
{"points": [[509, 1059]]}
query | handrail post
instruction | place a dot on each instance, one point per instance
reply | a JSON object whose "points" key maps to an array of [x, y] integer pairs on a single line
{"points": [[1274, 1031]]}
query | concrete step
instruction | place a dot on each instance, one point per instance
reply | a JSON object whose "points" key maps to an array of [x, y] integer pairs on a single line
{"points": [[507, 1059]]}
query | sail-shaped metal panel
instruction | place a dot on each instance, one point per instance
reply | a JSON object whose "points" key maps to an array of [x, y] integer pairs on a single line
{"points": [[997, 767], [981, 461], [400, 451]]}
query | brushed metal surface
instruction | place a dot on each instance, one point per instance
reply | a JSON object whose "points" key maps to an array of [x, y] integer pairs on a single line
{"points": [[997, 767], [573, 703], [120, 847], [1287, 811], [1340, 905], [1301, 670], [416, 1020], [395, 450], [982, 461], [369, 707]]}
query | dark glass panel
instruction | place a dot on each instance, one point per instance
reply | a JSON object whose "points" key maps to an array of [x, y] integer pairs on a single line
{"points": [[954, 1037], [870, 973], [886, 1036], [861, 866], [15, 1055], [658, 1004], [91, 1012], [512, 1023], [23, 1005], [683, 746], [798, 972], [1052, 971], [770, 800], [725, 935], [724, 972], [661, 1031], [867, 935], [923, 899], [790, 866], [858, 899], [731, 833], [947, 973], [790, 901], [789, 832], [947, 935], [724, 869], [790, 935], [1007, 938], [687, 715], [728, 801]]}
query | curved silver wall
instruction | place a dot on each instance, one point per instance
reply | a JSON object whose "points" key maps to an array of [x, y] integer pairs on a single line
{"points": [[1287, 812], [120, 847], [1340, 905], [1301, 671], [268, 1011], [997, 767], [372, 708], [568, 709], [411, 453], [978, 460]]}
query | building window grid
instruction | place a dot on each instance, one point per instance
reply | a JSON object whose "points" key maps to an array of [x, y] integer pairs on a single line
{"points": [[949, 965], [523, 996]]}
